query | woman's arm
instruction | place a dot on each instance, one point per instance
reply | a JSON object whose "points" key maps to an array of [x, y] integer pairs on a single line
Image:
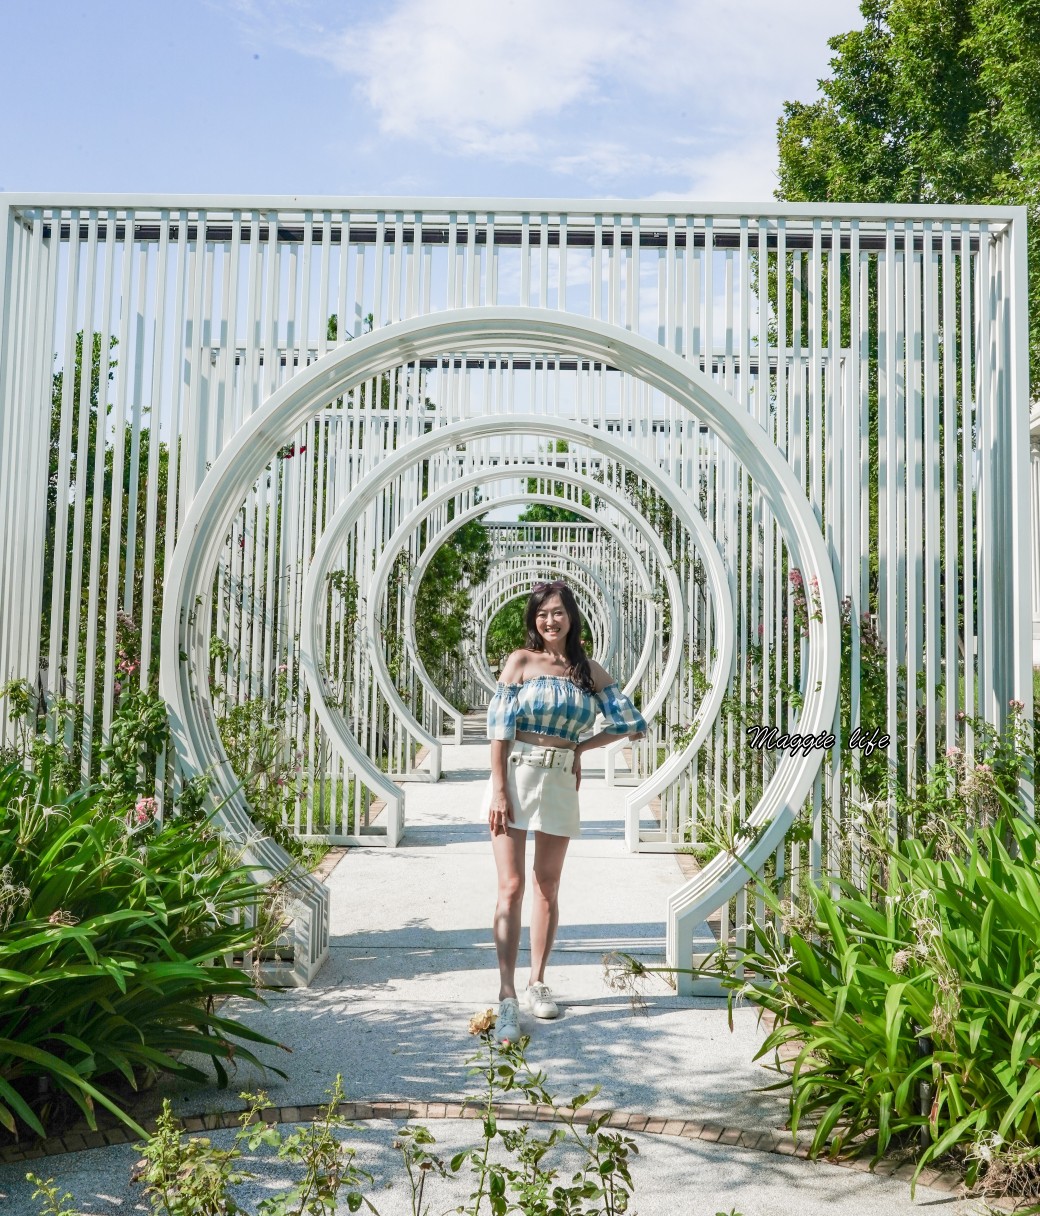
{"points": [[500, 812], [602, 679]]}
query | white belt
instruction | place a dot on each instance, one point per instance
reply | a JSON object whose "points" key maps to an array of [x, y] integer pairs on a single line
{"points": [[542, 757]]}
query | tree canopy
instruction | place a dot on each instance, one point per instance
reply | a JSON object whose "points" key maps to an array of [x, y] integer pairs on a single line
{"points": [[931, 101]]}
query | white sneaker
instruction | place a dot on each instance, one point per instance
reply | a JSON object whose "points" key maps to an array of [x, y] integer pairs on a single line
{"points": [[507, 1024], [539, 999]]}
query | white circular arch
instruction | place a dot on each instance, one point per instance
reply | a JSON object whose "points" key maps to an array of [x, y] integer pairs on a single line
{"points": [[592, 586], [507, 500], [488, 328], [506, 585], [350, 511], [606, 493]]}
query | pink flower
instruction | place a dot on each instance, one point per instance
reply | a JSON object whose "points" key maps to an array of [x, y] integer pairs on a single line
{"points": [[952, 751], [145, 809], [1015, 705], [983, 768], [796, 577]]}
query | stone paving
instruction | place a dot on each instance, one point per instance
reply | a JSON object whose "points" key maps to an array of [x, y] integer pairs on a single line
{"points": [[412, 959]]}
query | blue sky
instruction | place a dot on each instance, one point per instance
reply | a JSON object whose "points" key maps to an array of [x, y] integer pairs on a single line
{"points": [[544, 98]]}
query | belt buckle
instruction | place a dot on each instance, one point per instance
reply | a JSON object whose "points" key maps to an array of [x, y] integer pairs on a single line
{"points": [[547, 758]]}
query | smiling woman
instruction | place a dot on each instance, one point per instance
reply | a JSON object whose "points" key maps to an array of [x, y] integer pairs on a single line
{"points": [[548, 696]]}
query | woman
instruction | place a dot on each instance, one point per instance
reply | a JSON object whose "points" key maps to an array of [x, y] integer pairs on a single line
{"points": [[548, 694]]}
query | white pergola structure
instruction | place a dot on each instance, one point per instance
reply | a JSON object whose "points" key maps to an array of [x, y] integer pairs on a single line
{"points": [[799, 428]]}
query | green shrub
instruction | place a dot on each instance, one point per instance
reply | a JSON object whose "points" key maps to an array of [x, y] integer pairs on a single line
{"points": [[914, 1000], [115, 939]]}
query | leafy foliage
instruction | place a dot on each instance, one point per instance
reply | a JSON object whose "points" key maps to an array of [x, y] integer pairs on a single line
{"points": [[603, 1184], [914, 1013], [443, 600], [931, 101], [266, 761], [506, 632], [114, 933], [191, 1177]]}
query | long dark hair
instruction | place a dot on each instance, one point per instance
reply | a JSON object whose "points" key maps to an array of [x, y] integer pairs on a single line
{"points": [[578, 669]]}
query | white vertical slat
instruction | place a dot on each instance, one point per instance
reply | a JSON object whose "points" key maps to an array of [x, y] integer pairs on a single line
{"points": [[985, 493], [75, 690], [888, 517], [155, 430], [1017, 381], [115, 539], [929, 474], [14, 636], [38, 448], [56, 648]]}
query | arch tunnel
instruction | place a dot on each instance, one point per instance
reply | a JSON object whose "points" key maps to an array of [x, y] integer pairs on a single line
{"points": [[743, 414]]}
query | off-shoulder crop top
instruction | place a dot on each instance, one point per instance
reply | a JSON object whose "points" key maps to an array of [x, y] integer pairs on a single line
{"points": [[555, 705]]}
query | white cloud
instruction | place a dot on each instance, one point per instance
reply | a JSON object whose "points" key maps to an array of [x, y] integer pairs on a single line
{"points": [[602, 92], [471, 72], [736, 173]]}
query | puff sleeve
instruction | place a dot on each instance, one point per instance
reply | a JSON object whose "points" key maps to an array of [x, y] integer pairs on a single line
{"points": [[501, 712], [622, 717]]}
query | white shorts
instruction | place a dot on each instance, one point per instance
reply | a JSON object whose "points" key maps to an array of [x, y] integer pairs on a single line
{"points": [[542, 798]]}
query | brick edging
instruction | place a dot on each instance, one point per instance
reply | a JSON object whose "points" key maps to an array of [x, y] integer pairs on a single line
{"points": [[778, 1143]]}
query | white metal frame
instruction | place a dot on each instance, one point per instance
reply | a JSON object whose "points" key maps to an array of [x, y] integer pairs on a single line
{"points": [[217, 302]]}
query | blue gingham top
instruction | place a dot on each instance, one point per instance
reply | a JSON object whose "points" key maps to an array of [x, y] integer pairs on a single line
{"points": [[555, 705]]}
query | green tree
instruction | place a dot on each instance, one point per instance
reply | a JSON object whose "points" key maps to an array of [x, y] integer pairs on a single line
{"points": [[442, 604], [932, 101], [506, 632]]}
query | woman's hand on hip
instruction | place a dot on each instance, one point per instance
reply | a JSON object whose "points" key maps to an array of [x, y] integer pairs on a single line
{"points": [[500, 813], [576, 769]]}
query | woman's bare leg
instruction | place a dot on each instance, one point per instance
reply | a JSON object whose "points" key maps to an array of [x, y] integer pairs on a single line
{"points": [[549, 853], [509, 859]]}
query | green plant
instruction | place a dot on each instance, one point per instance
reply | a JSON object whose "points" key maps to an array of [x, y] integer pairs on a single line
{"points": [[138, 734], [418, 1162], [266, 761], [911, 995], [190, 1176], [915, 1013], [48, 1192], [602, 1185], [506, 632], [113, 936], [703, 851], [328, 1166], [442, 606]]}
